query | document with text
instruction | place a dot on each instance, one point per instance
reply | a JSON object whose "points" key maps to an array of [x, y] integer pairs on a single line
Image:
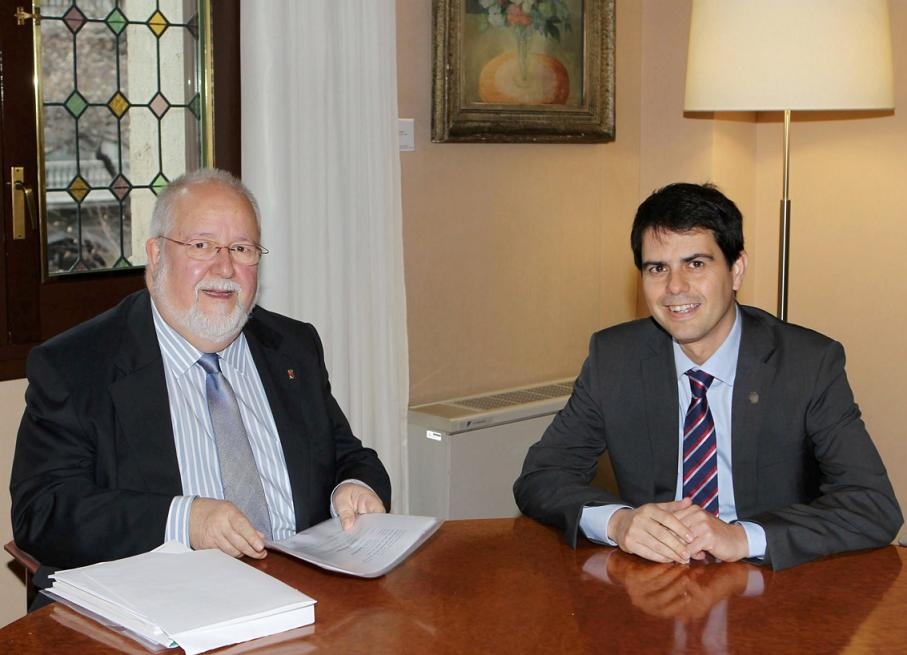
{"points": [[375, 545]]}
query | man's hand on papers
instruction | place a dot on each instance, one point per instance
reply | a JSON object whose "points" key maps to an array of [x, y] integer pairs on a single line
{"points": [[377, 544], [219, 524], [351, 499]]}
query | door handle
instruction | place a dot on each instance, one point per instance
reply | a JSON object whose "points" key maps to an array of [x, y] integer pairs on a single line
{"points": [[23, 197]]}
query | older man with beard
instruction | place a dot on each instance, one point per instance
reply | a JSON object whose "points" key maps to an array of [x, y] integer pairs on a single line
{"points": [[119, 450]]}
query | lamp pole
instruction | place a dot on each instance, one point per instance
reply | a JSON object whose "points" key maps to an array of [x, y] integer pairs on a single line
{"points": [[784, 248]]}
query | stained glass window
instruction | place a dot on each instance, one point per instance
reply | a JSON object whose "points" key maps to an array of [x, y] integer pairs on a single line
{"points": [[123, 99]]}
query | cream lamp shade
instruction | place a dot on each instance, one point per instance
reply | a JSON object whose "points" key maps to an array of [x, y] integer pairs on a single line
{"points": [[789, 55], [752, 55]]}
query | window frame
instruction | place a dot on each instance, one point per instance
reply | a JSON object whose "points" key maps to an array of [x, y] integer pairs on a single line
{"points": [[33, 309]]}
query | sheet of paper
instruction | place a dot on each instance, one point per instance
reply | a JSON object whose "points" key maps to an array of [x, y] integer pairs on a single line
{"points": [[376, 544]]}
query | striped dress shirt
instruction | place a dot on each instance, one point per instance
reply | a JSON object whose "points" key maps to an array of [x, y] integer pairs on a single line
{"points": [[194, 438]]}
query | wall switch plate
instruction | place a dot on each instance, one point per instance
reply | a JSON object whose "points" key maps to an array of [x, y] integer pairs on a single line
{"points": [[407, 128]]}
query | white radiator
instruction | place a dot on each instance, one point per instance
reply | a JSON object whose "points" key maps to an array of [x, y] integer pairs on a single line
{"points": [[465, 453]]}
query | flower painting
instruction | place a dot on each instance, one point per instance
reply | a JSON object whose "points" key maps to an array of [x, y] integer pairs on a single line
{"points": [[523, 70], [521, 50]]}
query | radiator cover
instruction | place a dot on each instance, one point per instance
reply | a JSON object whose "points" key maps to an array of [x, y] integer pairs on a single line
{"points": [[465, 453]]}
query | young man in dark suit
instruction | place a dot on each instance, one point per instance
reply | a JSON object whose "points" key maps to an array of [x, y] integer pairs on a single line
{"points": [[731, 433]]}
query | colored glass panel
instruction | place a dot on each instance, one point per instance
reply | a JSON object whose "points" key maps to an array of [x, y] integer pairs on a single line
{"points": [[192, 26], [159, 105], [158, 24], [74, 19], [195, 106], [123, 104], [79, 188], [118, 105], [76, 104], [120, 187], [159, 183], [116, 21]]}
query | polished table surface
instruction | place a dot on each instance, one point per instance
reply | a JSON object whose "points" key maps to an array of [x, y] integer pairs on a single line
{"points": [[514, 586]]}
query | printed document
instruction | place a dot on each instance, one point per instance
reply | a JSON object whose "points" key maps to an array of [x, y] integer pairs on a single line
{"points": [[375, 545]]}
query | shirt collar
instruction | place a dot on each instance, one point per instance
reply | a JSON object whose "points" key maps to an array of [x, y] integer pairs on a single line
{"points": [[723, 362], [180, 355]]}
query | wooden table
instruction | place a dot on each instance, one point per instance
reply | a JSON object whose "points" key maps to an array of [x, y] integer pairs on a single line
{"points": [[514, 586]]}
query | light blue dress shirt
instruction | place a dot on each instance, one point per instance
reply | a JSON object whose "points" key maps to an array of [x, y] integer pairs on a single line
{"points": [[723, 366], [194, 438]]}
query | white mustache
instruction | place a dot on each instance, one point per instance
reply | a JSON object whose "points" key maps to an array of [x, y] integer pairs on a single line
{"points": [[217, 285]]}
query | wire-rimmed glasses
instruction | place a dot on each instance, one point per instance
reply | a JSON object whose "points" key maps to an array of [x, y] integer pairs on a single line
{"points": [[246, 254]]}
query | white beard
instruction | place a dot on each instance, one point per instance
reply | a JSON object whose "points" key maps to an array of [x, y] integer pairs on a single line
{"points": [[216, 328]]}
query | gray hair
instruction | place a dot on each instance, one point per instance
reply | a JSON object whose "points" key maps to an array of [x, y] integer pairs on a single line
{"points": [[162, 217]]}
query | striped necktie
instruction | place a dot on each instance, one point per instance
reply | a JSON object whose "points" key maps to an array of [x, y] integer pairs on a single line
{"points": [[238, 472], [700, 447]]}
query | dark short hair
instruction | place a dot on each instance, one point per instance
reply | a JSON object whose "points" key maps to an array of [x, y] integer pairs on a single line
{"points": [[683, 207]]}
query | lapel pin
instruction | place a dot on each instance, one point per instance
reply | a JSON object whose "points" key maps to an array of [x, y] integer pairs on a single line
{"points": [[291, 374], [754, 397]]}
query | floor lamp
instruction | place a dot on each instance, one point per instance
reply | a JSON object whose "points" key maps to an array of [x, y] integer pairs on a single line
{"points": [[785, 55]]}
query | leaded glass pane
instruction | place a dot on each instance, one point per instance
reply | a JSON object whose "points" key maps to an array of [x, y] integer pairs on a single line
{"points": [[121, 85]]}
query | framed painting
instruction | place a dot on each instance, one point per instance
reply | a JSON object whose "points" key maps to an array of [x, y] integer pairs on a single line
{"points": [[523, 71]]}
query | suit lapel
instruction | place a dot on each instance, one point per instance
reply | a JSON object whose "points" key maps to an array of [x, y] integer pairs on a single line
{"points": [[281, 374], [751, 389], [139, 395], [660, 389]]}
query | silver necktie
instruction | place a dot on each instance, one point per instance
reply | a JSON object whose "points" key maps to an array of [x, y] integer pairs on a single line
{"points": [[239, 475]]}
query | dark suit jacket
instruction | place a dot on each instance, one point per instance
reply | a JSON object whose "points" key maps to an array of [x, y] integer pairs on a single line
{"points": [[804, 467], [95, 467]]}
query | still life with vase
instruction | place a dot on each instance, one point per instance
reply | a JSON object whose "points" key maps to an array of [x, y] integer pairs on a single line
{"points": [[522, 51]]}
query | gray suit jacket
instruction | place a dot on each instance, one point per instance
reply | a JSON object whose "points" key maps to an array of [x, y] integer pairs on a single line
{"points": [[95, 467], [804, 467]]}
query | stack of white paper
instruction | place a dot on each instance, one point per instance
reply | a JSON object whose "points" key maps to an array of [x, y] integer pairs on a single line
{"points": [[174, 596]]}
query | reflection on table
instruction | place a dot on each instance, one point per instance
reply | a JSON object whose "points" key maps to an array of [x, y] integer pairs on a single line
{"points": [[514, 586]]}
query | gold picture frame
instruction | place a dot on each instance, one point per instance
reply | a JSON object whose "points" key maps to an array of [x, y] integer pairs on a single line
{"points": [[512, 71]]}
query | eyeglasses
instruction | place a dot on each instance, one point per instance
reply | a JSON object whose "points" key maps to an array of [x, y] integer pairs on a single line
{"points": [[246, 254]]}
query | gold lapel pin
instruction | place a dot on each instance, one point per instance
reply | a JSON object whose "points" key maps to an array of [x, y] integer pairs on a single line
{"points": [[754, 397]]}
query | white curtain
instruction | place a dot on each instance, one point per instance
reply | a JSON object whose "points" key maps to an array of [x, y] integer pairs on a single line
{"points": [[320, 151]]}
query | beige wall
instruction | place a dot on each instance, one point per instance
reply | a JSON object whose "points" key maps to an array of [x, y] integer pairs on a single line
{"points": [[12, 590], [514, 253]]}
